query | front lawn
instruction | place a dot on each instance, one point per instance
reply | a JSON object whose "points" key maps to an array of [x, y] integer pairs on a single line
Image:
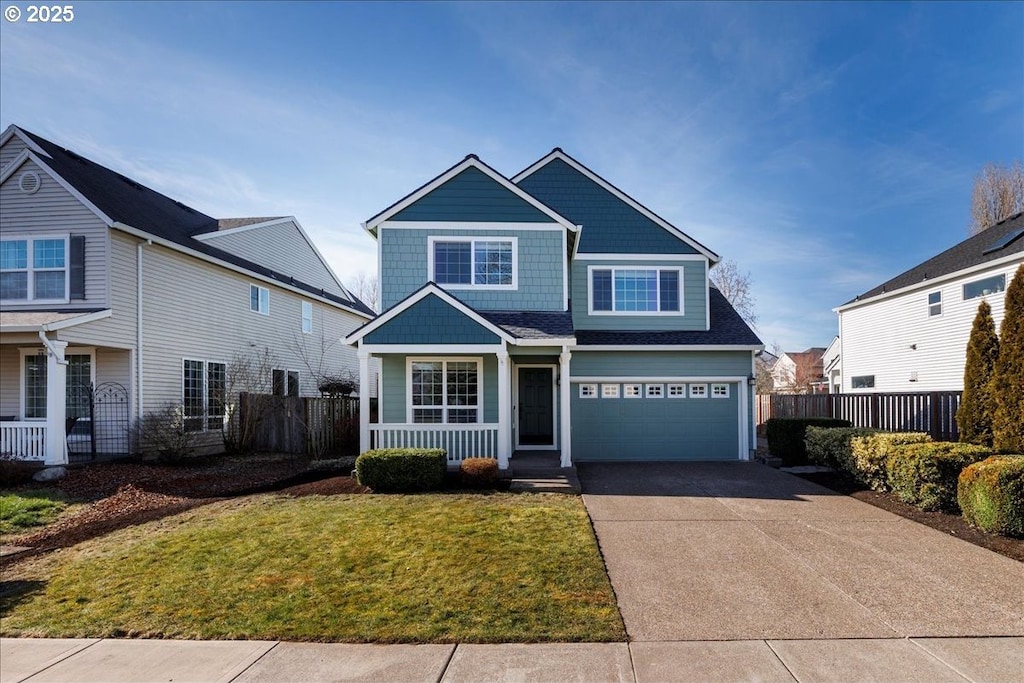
{"points": [[26, 509], [357, 568]]}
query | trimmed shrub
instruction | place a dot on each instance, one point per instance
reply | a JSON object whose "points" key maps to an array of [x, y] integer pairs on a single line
{"points": [[402, 469], [974, 416], [1008, 375], [830, 446], [478, 472], [870, 453], [991, 494], [926, 474], [786, 436]]}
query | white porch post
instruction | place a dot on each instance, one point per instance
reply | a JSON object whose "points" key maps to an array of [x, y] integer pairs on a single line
{"points": [[564, 392], [56, 404], [504, 410], [364, 400]]}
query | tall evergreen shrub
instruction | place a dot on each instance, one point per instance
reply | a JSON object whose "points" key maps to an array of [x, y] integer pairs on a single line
{"points": [[974, 417], [1008, 377]]}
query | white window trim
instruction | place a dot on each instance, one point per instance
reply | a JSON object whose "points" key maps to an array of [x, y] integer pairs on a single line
{"points": [[609, 391], [660, 393], [36, 351], [632, 390], [937, 303], [588, 391], [307, 317], [433, 239], [716, 387], [681, 388], [409, 407], [30, 270], [260, 298], [698, 391], [657, 268], [206, 393]]}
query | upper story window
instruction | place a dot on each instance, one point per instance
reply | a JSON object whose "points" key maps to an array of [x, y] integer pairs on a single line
{"points": [[934, 304], [307, 317], [259, 299], [644, 291], [486, 263], [984, 287], [34, 269]]}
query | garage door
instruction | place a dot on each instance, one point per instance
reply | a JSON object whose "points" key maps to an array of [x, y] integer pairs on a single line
{"points": [[685, 421]]}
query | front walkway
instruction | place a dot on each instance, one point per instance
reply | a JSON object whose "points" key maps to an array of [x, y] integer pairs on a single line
{"points": [[123, 661]]}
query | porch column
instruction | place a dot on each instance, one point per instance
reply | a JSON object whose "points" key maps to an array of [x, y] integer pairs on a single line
{"points": [[504, 410], [564, 392], [364, 400], [56, 404]]}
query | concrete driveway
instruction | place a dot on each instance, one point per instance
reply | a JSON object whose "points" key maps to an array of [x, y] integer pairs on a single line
{"points": [[740, 551]]}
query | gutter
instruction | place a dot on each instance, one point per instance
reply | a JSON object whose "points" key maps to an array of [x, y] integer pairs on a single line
{"points": [[49, 345]]}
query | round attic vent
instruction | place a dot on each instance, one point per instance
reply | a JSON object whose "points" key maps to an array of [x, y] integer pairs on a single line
{"points": [[29, 182]]}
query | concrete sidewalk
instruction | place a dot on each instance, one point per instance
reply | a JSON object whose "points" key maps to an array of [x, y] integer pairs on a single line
{"points": [[929, 660]]}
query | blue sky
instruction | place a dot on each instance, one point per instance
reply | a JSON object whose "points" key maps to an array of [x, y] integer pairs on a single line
{"points": [[824, 147]]}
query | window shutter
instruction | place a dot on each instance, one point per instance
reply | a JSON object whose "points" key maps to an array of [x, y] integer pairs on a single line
{"points": [[77, 270]]}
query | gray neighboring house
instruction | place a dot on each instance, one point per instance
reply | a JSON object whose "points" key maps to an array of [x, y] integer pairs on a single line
{"points": [[106, 283]]}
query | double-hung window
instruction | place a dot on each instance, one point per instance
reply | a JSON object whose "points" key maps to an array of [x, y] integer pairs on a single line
{"points": [[204, 399], [484, 263], [445, 391], [34, 269], [934, 304], [307, 317], [259, 299], [636, 291]]}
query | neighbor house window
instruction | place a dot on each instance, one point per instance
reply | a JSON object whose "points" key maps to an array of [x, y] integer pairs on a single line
{"points": [[78, 383], [935, 304], [655, 390], [609, 391], [259, 299], [698, 391], [677, 391], [284, 382], [588, 391], [862, 382], [631, 390], [984, 287], [293, 382], [473, 262], [204, 394], [34, 269], [445, 391], [307, 317], [635, 290], [719, 391]]}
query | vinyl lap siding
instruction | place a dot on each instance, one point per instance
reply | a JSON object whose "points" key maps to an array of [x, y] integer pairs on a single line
{"points": [[10, 151], [694, 299], [280, 247], [877, 338], [119, 329], [660, 363], [53, 210], [10, 387]]}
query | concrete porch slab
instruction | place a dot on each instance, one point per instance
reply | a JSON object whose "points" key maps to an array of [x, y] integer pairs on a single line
{"points": [[519, 663], [142, 661], [989, 660], [340, 662], [22, 657], [868, 661], [736, 661]]}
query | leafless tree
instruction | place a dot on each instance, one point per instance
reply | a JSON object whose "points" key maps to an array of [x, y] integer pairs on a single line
{"points": [[998, 194], [250, 371], [315, 350], [736, 287], [365, 286]]}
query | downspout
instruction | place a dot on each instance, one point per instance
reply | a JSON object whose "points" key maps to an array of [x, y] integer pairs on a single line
{"points": [[138, 323], [43, 329]]}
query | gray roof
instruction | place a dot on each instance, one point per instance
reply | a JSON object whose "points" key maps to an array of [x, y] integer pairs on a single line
{"points": [[532, 324], [973, 251], [126, 201], [727, 329]]}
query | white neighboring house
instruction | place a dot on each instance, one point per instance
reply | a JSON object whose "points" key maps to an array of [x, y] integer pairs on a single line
{"points": [[831, 368], [798, 372], [910, 333], [103, 280]]}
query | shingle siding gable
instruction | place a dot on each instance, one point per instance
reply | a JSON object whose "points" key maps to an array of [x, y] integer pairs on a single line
{"points": [[431, 321], [471, 196]]}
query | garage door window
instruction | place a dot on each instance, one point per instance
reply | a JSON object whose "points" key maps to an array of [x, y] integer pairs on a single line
{"points": [[588, 391], [655, 390], [677, 391], [609, 391], [719, 391], [698, 391], [631, 390]]}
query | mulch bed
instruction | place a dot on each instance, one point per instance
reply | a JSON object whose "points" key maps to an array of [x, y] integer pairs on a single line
{"points": [[120, 495], [954, 525]]}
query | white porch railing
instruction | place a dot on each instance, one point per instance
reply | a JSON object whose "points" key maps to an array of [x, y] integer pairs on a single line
{"points": [[23, 440], [461, 441]]}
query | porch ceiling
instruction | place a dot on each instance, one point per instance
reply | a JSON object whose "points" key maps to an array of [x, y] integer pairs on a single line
{"points": [[47, 321]]}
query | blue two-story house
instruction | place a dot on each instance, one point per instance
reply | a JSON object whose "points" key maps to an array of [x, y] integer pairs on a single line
{"points": [[550, 311]]}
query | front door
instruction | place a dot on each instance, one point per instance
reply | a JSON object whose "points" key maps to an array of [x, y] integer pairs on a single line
{"points": [[536, 407]]}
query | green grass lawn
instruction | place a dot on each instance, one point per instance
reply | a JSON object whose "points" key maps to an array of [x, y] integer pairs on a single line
{"points": [[360, 568], [26, 509]]}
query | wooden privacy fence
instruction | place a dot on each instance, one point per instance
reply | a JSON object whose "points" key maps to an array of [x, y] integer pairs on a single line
{"points": [[933, 412], [300, 424]]}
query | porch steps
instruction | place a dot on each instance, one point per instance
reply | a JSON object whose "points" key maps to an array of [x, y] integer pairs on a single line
{"points": [[540, 473]]}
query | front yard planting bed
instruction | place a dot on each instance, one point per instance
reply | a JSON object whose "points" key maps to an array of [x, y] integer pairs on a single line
{"points": [[351, 568]]}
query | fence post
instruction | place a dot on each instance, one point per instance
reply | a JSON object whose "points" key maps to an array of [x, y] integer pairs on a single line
{"points": [[876, 409]]}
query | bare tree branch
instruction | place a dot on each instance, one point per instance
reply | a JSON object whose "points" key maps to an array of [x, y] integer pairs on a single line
{"points": [[998, 194], [366, 286], [736, 287]]}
